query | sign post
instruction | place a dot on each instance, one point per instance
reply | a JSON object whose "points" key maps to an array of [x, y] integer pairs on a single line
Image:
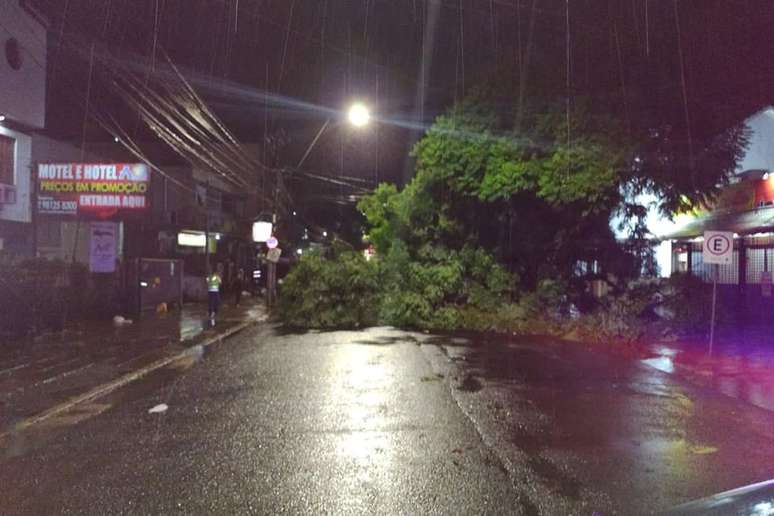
{"points": [[272, 256], [718, 249], [714, 305]]}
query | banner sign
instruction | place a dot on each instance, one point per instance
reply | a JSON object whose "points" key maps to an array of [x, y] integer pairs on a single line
{"points": [[102, 190], [102, 247]]}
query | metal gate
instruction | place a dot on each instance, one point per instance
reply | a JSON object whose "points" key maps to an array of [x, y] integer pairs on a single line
{"points": [[155, 281]]}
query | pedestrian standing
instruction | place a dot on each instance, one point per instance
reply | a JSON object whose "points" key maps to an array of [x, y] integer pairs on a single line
{"points": [[214, 282], [238, 286]]}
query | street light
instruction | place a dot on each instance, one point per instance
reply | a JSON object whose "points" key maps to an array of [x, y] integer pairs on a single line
{"points": [[358, 115]]}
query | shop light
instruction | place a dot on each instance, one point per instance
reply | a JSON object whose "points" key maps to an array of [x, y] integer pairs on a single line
{"points": [[2, 118], [191, 239]]}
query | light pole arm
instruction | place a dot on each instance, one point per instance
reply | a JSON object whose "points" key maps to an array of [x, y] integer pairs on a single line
{"points": [[311, 145]]}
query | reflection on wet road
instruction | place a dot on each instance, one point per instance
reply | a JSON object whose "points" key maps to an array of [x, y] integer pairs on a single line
{"points": [[742, 370], [386, 422], [608, 433], [37, 374], [334, 423]]}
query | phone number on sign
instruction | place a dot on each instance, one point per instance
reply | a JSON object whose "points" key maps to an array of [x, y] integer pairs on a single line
{"points": [[49, 205]]}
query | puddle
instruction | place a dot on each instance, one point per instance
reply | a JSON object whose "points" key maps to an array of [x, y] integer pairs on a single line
{"points": [[664, 364]]}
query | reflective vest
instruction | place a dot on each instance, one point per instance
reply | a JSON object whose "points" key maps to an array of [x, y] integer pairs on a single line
{"points": [[213, 283]]}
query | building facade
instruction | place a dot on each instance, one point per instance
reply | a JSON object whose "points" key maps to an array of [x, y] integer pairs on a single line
{"points": [[22, 112], [745, 208]]}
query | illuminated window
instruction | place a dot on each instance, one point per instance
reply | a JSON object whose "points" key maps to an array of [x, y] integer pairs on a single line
{"points": [[7, 148]]}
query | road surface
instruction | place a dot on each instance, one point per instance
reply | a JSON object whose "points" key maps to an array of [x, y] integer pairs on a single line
{"points": [[388, 422]]}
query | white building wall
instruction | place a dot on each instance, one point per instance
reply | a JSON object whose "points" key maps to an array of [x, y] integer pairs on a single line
{"points": [[760, 152], [22, 91], [22, 96]]}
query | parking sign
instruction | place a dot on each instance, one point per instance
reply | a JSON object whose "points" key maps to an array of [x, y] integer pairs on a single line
{"points": [[718, 247]]}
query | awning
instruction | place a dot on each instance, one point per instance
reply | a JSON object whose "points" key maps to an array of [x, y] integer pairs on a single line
{"points": [[759, 220]]}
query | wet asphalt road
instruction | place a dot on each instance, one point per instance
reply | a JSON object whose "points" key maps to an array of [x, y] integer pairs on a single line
{"points": [[315, 424], [385, 422]]}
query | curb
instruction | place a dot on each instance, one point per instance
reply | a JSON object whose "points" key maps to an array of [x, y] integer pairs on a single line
{"points": [[106, 388]]}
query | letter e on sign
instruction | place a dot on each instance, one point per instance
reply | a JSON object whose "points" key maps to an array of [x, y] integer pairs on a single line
{"points": [[718, 247]]}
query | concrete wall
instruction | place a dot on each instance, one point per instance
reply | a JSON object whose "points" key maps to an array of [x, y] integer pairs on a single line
{"points": [[23, 91]]}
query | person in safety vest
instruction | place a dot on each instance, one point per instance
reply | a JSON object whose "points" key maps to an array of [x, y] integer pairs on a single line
{"points": [[214, 282]]}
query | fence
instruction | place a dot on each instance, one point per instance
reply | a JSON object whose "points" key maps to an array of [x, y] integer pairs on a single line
{"points": [[740, 283]]}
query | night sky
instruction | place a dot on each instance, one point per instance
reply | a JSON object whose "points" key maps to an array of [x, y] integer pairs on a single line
{"points": [[410, 59]]}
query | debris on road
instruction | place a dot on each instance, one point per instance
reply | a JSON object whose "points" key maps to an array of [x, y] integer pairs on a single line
{"points": [[159, 409], [120, 320]]}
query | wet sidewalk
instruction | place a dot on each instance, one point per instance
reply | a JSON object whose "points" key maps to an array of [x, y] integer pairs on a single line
{"points": [[40, 373], [741, 364]]}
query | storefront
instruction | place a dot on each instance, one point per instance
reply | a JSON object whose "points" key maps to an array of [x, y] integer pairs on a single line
{"points": [[745, 208]]}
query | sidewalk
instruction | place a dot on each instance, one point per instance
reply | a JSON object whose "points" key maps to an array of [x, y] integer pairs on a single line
{"points": [[41, 373], [741, 364]]}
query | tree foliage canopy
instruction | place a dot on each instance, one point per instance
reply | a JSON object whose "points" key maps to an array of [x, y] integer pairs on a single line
{"points": [[539, 189]]}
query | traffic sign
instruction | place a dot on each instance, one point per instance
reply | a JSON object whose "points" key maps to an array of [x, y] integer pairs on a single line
{"points": [[272, 242], [718, 247], [274, 254]]}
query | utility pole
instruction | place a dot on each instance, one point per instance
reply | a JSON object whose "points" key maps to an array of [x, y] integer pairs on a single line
{"points": [[271, 267], [34, 207], [207, 270]]}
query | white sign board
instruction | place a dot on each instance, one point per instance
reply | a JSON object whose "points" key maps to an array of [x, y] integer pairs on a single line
{"points": [[102, 247], [262, 231], [718, 247]]}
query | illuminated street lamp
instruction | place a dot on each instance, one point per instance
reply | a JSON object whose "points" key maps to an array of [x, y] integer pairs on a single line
{"points": [[358, 115]]}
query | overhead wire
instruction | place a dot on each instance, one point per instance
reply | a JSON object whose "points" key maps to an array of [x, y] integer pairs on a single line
{"points": [[115, 128]]}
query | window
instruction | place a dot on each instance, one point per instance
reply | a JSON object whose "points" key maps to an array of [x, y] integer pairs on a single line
{"points": [[7, 148], [13, 55]]}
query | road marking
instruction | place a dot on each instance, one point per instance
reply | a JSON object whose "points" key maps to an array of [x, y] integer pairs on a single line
{"points": [[107, 388]]}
